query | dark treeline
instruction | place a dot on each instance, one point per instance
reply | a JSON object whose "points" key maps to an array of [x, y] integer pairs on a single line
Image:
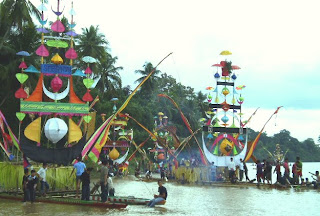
{"points": [[17, 32]]}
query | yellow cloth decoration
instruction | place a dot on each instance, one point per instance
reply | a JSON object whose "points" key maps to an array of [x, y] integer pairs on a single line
{"points": [[33, 130], [225, 147], [114, 154], [75, 132], [91, 125], [56, 59]]}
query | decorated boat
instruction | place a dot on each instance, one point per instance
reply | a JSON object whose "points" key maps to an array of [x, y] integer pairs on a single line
{"points": [[56, 142], [165, 141], [68, 201], [224, 134]]}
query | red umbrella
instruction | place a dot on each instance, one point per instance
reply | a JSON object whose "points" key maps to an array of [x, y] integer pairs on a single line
{"points": [[235, 67], [217, 65]]}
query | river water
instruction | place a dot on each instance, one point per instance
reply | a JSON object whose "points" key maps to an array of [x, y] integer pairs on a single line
{"points": [[193, 200]]}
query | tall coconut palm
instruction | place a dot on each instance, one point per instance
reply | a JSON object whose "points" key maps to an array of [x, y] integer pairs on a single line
{"points": [[110, 77], [17, 13], [150, 84], [92, 43]]}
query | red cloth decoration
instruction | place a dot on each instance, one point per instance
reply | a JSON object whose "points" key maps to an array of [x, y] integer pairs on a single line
{"points": [[88, 71], [71, 54], [42, 51], [23, 65], [56, 84], [20, 93], [73, 97], [87, 97], [37, 93]]}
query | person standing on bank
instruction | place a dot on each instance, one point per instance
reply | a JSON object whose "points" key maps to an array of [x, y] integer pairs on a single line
{"points": [[241, 170], [231, 168], [159, 198], [104, 180], [32, 184], [26, 193], [42, 173]]}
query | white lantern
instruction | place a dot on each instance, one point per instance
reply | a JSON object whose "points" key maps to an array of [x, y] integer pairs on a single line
{"points": [[55, 129]]}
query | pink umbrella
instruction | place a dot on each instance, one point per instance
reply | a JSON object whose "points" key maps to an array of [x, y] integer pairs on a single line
{"points": [[235, 67]]}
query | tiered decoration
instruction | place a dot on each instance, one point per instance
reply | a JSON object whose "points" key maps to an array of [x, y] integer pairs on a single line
{"points": [[223, 129], [166, 139], [119, 139], [55, 127]]}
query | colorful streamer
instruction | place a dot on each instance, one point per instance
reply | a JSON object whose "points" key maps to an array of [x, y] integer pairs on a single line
{"points": [[256, 140], [185, 120]]}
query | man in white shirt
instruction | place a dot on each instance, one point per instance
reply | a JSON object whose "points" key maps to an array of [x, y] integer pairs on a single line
{"points": [[110, 184], [231, 168], [241, 167], [42, 173]]}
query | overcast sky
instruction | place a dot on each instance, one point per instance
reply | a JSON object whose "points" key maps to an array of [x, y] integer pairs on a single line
{"points": [[276, 43]]}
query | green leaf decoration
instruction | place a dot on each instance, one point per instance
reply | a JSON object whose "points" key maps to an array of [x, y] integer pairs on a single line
{"points": [[22, 77], [20, 116], [87, 118], [88, 82], [57, 44]]}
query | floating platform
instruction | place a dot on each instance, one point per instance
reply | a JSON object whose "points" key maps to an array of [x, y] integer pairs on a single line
{"points": [[68, 201]]}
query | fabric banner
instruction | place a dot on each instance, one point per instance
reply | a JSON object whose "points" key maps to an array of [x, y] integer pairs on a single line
{"points": [[63, 156], [52, 107], [91, 125], [62, 70]]}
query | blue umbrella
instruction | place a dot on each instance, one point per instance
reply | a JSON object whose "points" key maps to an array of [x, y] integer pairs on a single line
{"points": [[23, 53], [89, 59], [71, 33], [32, 69], [78, 73]]}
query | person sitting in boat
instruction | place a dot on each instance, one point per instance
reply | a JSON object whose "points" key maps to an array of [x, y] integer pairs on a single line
{"points": [[85, 178], [283, 181], [316, 178], [32, 185], [148, 174], [307, 182], [159, 198], [43, 180], [110, 184]]}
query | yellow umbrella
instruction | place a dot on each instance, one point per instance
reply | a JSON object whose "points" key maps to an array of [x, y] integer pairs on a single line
{"points": [[226, 52]]}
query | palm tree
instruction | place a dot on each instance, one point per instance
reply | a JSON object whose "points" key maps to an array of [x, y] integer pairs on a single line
{"points": [[92, 43], [17, 14], [150, 84], [110, 77]]}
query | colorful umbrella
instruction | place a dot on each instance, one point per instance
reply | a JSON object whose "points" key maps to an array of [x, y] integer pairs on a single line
{"points": [[226, 52], [23, 53], [235, 67], [89, 59]]}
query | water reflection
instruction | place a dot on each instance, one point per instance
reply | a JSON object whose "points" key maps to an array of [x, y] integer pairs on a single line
{"points": [[189, 200]]}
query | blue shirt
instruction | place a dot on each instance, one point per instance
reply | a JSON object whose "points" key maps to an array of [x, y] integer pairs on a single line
{"points": [[80, 166]]}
